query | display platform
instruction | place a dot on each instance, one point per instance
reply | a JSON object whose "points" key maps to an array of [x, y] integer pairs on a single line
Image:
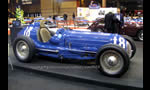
{"points": [[77, 70]]}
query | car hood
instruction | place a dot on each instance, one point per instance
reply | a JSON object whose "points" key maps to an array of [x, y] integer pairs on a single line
{"points": [[93, 40], [90, 36]]}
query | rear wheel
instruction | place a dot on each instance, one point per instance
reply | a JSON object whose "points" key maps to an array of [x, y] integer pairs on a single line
{"points": [[140, 35], [131, 46], [113, 61]]}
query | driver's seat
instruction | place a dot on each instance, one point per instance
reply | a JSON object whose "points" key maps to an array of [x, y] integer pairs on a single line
{"points": [[44, 33]]}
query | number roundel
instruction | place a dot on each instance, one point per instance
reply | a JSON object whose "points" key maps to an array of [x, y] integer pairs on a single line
{"points": [[27, 31], [119, 41]]}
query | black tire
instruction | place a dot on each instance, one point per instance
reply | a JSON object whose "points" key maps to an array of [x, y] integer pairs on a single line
{"points": [[114, 49], [30, 45], [140, 35], [132, 43]]}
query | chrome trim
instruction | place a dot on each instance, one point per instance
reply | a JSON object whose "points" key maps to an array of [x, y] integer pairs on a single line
{"points": [[56, 51], [81, 51], [48, 50]]}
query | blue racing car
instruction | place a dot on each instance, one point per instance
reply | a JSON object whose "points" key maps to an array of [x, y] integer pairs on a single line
{"points": [[112, 52]]}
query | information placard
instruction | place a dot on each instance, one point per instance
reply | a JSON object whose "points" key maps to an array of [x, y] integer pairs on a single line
{"points": [[92, 14]]}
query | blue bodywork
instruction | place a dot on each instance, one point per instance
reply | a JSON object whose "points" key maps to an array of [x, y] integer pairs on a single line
{"points": [[72, 44]]}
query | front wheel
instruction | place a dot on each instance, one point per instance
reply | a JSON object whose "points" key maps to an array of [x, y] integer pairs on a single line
{"points": [[113, 61], [24, 49]]}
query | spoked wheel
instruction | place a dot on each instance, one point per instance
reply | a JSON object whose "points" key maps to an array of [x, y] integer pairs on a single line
{"points": [[113, 61], [140, 35], [24, 49]]}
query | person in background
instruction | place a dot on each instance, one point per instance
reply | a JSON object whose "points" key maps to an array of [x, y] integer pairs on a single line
{"points": [[65, 18], [124, 11], [109, 21], [112, 23], [120, 17], [92, 1], [130, 13], [54, 19], [73, 16]]}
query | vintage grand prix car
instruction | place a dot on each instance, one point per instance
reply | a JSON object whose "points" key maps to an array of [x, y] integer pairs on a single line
{"points": [[112, 52], [133, 30]]}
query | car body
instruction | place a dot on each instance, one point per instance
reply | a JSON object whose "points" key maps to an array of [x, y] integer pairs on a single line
{"points": [[48, 22], [71, 41], [80, 21], [70, 44], [60, 18], [130, 29]]}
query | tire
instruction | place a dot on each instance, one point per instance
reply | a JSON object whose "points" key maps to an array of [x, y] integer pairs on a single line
{"points": [[132, 43], [24, 49], [140, 35], [111, 51]]}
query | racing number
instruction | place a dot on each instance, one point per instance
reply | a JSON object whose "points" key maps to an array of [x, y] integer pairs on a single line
{"points": [[27, 31], [121, 41]]}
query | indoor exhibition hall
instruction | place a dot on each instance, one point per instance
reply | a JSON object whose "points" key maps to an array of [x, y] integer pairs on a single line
{"points": [[75, 44]]}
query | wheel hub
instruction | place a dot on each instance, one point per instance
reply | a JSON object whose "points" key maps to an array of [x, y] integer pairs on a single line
{"points": [[23, 48], [112, 60]]}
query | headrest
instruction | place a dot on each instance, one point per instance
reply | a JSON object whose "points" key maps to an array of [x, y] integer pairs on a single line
{"points": [[42, 25]]}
